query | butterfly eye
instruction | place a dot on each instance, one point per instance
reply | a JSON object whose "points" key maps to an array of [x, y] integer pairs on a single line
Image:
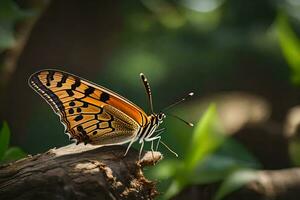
{"points": [[161, 116]]}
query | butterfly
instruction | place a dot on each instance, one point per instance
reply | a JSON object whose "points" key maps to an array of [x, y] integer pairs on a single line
{"points": [[96, 115]]}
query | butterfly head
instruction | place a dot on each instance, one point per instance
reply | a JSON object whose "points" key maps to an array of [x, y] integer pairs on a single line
{"points": [[160, 117]]}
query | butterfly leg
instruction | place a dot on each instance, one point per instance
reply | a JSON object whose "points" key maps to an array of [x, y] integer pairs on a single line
{"points": [[152, 141], [141, 149], [157, 137], [157, 144], [131, 142], [152, 150], [159, 141]]}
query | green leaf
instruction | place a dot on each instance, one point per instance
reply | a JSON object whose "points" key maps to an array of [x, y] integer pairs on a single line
{"points": [[290, 45], [175, 187], [13, 153], [4, 139], [165, 169], [213, 168], [235, 181], [206, 139], [229, 157], [235, 151]]}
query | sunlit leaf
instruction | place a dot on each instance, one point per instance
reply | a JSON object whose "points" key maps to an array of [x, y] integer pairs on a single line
{"points": [[4, 139], [13, 153], [290, 45], [206, 138], [235, 181]]}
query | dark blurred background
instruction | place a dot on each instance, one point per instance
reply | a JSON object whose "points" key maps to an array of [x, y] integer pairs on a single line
{"points": [[207, 46], [246, 50]]}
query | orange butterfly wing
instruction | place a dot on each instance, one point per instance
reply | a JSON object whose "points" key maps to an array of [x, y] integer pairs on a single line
{"points": [[91, 113]]}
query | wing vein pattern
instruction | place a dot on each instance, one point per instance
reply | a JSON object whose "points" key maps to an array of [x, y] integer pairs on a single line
{"points": [[89, 112]]}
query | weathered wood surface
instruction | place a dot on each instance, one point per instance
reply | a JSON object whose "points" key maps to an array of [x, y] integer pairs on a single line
{"points": [[79, 172]]}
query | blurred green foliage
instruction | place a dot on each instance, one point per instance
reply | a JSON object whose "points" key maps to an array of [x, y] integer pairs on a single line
{"points": [[4, 139], [205, 46], [8, 153], [10, 14], [210, 156], [234, 181], [294, 150], [290, 45]]}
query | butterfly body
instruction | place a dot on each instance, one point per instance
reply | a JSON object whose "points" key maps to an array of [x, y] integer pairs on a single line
{"points": [[94, 114]]}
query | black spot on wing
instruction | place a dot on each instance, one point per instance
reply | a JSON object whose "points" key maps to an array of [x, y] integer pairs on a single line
{"points": [[58, 84], [71, 111], [79, 128], [70, 92], [50, 77], [89, 91], [104, 97], [62, 81], [50, 97], [78, 118], [75, 84], [85, 105], [64, 78]]}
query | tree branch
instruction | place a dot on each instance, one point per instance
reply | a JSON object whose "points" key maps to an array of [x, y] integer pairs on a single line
{"points": [[79, 172], [269, 185]]}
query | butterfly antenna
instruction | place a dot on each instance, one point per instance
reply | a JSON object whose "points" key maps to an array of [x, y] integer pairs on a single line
{"points": [[184, 121], [178, 102], [148, 90]]}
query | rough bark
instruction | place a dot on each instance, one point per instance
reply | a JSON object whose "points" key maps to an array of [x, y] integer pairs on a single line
{"points": [[79, 172]]}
